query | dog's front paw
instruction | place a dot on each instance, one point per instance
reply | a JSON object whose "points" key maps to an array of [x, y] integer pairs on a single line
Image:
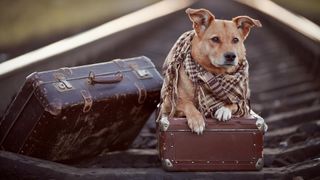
{"points": [[196, 123], [223, 114]]}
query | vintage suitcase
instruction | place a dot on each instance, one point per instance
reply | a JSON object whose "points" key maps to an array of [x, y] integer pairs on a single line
{"points": [[78, 112], [233, 145]]}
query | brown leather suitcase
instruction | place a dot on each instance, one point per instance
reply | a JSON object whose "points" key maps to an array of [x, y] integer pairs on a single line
{"points": [[78, 112], [233, 145]]}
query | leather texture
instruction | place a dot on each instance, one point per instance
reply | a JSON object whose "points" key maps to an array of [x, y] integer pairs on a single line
{"points": [[73, 113]]}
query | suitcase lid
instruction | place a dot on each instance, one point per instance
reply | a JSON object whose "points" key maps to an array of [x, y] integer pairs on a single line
{"points": [[234, 124], [52, 88], [82, 72]]}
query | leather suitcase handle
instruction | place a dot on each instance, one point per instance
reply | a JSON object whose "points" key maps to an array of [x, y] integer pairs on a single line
{"points": [[107, 79]]}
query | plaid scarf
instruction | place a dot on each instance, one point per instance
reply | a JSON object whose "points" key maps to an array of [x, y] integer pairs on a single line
{"points": [[211, 91]]}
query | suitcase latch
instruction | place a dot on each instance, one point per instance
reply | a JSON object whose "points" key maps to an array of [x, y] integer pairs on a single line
{"points": [[63, 84], [143, 73], [140, 73]]}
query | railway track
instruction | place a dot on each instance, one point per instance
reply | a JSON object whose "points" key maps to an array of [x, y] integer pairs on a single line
{"points": [[285, 85]]}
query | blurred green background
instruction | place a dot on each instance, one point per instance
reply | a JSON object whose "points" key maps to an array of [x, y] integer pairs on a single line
{"points": [[307, 8], [30, 24]]}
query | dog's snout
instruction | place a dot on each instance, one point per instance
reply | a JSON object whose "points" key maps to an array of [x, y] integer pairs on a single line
{"points": [[230, 56]]}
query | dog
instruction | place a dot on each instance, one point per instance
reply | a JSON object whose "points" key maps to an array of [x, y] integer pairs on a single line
{"points": [[217, 47]]}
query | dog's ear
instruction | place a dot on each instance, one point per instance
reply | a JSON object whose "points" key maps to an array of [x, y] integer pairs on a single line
{"points": [[245, 23], [201, 19]]}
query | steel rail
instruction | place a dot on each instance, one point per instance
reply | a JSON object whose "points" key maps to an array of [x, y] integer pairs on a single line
{"points": [[136, 18], [294, 21]]}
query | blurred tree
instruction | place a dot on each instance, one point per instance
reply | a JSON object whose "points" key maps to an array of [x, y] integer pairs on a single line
{"points": [[34, 23]]}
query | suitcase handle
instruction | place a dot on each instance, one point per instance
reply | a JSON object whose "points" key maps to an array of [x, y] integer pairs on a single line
{"points": [[107, 79]]}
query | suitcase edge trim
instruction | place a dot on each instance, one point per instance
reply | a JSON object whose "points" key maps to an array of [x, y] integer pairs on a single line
{"points": [[165, 123], [167, 165]]}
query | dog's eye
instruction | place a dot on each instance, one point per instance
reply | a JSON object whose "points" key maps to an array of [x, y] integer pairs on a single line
{"points": [[215, 39], [235, 40]]}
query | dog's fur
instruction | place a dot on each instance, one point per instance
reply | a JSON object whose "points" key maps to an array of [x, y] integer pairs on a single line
{"points": [[213, 39]]}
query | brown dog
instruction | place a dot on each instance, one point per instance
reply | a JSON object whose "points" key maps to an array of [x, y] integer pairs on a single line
{"points": [[218, 47]]}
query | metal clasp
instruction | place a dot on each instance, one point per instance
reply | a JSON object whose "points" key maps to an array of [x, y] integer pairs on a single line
{"points": [[143, 73], [66, 84], [140, 73], [63, 84]]}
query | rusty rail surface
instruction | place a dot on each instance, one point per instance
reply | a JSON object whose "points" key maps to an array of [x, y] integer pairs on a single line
{"points": [[285, 85]]}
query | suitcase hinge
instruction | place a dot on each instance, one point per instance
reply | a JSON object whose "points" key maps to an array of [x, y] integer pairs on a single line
{"points": [[259, 164], [164, 123], [87, 101], [63, 84], [167, 163]]}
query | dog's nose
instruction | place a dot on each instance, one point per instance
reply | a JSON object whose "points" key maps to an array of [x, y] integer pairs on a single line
{"points": [[230, 56]]}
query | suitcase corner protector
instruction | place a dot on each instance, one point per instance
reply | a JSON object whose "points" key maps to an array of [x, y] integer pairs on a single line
{"points": [[167, 164], [54, 108], [259, 164], [261, 125], [164, 123]]}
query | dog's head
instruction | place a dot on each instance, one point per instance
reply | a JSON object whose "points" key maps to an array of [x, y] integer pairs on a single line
{"points": [[218, 44]]}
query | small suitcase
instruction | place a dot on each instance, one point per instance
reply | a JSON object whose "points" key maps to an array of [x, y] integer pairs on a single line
{"points": [[233, 145], [78, 112]]}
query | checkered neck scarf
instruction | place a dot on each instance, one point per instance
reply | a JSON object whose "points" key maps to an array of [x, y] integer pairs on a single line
{"points": [[211, 91]]}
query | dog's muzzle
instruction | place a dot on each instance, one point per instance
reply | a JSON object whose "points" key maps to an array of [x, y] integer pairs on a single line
{"points": [[229, 59]]}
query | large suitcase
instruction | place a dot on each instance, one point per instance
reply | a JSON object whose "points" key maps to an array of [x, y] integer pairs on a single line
{"points": [[233, 145], [78, 112]]}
